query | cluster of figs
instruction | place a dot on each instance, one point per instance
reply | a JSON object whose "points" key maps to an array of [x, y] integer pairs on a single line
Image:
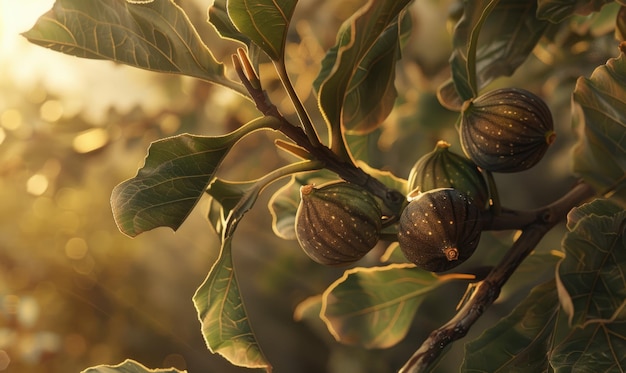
{"points": [[504, 130]]}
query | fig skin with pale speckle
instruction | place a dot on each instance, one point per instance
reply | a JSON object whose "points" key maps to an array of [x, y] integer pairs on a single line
{"points": [[442, 168], [506, 130], [338, 223], [439, 229]]}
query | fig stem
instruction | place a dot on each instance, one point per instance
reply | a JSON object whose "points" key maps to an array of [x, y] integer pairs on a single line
{"points": [[488, 290]]}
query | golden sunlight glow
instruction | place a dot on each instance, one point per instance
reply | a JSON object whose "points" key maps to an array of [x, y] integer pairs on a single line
{"points": [[11, 119], [90, 140]]}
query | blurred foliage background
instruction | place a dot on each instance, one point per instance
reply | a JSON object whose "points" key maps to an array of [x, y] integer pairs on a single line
{"points": [[74, 292]]}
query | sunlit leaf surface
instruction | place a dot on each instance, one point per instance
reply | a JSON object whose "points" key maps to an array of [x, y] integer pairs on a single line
{"points": [[225, 324], [557, 10], [592, 274], [600, 117], [506, 38], [520, 341], [360, 34], [156, 36], [176, 172], [374, 307], [598, 347], [218, 17], [129, 366], [266, 22], [371, 93]]}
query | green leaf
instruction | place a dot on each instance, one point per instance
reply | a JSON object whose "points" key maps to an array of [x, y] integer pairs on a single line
{"points": [[225, 324], [520, 341], [128, 366], [225, 195], [592, 276], [156, 36], [218, 17], [374, 307], [266, 22], [176, 172], [557, 10], [599, 104], [358, 43], [598, 347], [507, 34], [599, 207], [371, 93], [284, 203]]}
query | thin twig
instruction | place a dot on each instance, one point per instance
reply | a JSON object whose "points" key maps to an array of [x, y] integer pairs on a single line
{"points": [[488, 290]]}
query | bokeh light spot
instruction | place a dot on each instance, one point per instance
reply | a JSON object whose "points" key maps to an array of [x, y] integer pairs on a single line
{"points": [[28, 312], [76, 248], [11, 119], [51, 110], [37, 184], [90, 140], [169, 124]]}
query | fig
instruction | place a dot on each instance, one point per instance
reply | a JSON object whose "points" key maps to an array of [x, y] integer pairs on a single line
{"points": [[439, 229], [337, 224], [443, 168], [506, 130]]}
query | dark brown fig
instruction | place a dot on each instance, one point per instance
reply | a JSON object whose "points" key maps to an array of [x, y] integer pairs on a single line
{"points": [[443, 168], [506, 130], [337, 224], [439, 229]]}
